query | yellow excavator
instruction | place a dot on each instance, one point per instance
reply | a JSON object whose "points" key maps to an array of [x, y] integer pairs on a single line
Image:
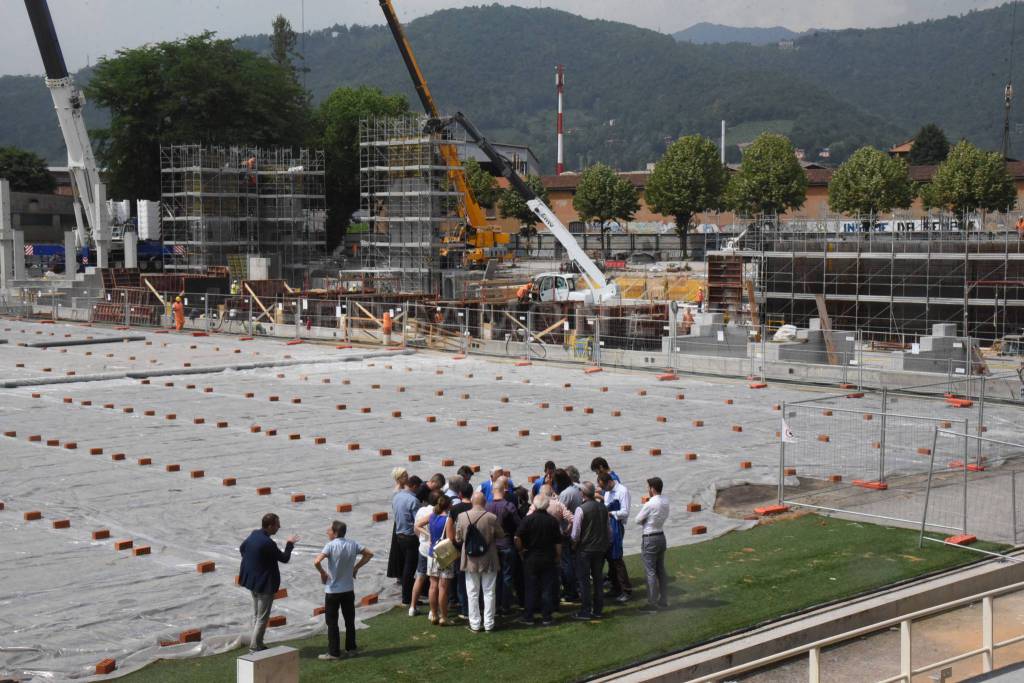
{"points": [[483, 242]]}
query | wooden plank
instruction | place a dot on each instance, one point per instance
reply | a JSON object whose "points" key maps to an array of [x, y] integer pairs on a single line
{"points": [[826, 327], [152, 289], [259, 303]]}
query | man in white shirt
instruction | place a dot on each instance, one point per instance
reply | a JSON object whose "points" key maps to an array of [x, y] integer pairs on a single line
{"points": [[339, 589], [652, 516], [616, 499]]}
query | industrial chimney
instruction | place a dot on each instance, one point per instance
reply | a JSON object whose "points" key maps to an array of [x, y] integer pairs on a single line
{"points": [[560, 86]]}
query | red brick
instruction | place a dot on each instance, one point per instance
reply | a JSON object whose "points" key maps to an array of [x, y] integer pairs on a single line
{"points": [[319, 440], [415, 457], [924, 451], [298, 497], [447, 462], [790, 472], [62, 524], [524, 432], [690, 456], [353, 447], [68, 399], [661, 418], [228, 481], [53, 442], [737, 428], [728, 401], [396, 413], [106, 666], [128, 410], [380, 516], [698, 423], [835, 478], [205, 567], [141, 550], [824, 438], [250, 394], [431, 418], [475, 468], [149, 413], [556, 437], [567, 409], [270, 432], [625, 448], [70, 445], [11, 433], [255, 429], [198, 420], [192, 635], [368, 600], [693, 507], [504, 399], [197, 474], [641, 392], [343, 507], [869, 416], [698, 530], [170, 416], [616, 413], [745, 465], [273, 398], [294, 437], [340, 406], [263, 491], [317, 611], [145, 461], [366, 409], [827, 413], [655, 451], [123, 545], [100, 534], [544, 405], [117, 456], [595, 443], [461, 423], [172, 468], [278, 620], [108, 406]]}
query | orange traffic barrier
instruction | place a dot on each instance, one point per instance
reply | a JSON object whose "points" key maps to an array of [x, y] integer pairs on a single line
{"points": [[757, 385]]}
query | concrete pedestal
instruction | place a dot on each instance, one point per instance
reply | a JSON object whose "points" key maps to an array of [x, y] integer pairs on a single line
{"points": [[274, 665]]}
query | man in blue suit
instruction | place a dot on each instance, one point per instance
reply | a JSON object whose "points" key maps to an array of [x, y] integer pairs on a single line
{"points": [[260, 573]]}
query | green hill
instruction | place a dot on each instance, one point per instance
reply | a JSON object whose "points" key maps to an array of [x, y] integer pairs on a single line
{"points": [[630, 90]]}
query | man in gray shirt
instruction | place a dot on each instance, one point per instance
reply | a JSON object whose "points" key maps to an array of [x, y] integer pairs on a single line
{"points": [[404, 505]]}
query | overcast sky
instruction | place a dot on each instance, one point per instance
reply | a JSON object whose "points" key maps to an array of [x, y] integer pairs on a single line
{"points": [[89, 29]]}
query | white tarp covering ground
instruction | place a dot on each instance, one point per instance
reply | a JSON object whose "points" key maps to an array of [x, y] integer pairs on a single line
{"points": [[67, 601]]}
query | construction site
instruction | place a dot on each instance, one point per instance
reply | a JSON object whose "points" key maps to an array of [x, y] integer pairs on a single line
{"points": [[793, 368]]}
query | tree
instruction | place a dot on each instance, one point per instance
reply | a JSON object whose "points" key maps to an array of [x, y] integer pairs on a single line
{"points": [[688, 179], [337, 121], [282, 42], [930, 146], [194, 90], [26, 171], [512, 205], [481, 183], [770, 179], [602, 195], [968, 180], [870, 182]]}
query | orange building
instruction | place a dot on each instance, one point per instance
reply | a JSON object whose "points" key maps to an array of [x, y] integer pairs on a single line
{"points": [[562, 188]]}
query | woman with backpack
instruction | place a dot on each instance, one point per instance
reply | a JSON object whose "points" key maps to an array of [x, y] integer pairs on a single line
{"points": [[440, 561], [477, 530]]}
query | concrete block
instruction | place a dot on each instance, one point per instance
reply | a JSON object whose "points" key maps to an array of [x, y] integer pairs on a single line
{"points": [[274, 665]]}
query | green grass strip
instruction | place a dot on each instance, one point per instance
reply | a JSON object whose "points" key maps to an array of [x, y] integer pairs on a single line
{"points": [[717, 587]]}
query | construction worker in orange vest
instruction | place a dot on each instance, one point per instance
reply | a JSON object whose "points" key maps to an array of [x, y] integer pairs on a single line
{"points": [[179, 313], [387, 326], [523, 293], [700, 299], [1020, 227]]}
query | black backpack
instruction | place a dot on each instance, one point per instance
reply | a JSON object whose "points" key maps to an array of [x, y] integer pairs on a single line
{"points": [[475, 544]]}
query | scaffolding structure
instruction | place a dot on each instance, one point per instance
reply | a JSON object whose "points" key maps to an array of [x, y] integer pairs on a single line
{"points": [[221, 205], [892, 285], [415, 214]]}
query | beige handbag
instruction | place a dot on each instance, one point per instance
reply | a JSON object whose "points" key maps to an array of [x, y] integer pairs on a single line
{"points": [[445, 553]]}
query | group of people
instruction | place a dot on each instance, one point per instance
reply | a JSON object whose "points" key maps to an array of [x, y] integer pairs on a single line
{"points": [[484, 550]]}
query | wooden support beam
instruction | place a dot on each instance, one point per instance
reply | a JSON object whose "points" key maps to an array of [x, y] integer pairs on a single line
{"points": [[826, 328], [259, 303], [153, 289]]}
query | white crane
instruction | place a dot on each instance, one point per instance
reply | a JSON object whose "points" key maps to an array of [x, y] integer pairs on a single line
{"points": [[90, 193]]}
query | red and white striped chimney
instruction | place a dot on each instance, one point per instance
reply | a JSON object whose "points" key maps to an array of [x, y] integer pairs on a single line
{"points": [[560, 86]]}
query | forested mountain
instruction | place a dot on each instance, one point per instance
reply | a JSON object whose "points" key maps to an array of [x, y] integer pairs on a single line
{"points": [[630, 90], [705, 32]]}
